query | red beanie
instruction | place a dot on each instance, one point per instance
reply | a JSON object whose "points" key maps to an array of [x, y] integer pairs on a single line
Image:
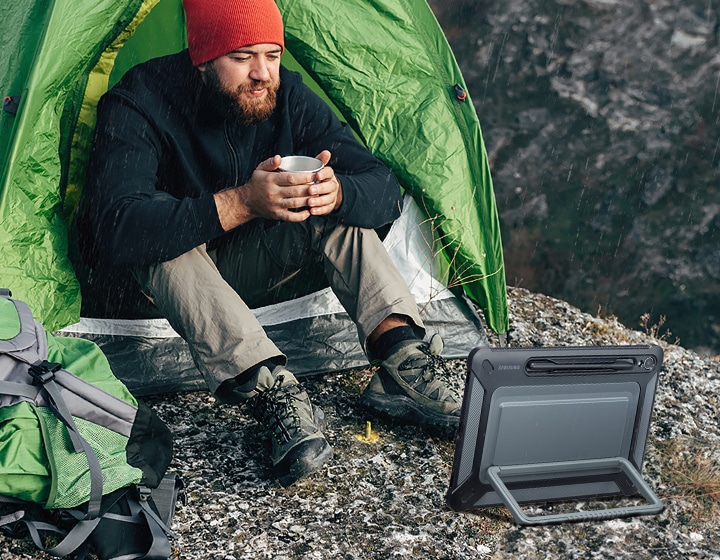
{"points": [[217, 27]]}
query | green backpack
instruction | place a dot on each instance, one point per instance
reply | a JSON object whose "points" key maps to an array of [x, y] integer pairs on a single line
{"points": [[77, 449]]}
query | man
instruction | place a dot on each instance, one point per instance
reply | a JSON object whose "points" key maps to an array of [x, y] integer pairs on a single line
{"points": [[183, 189]]}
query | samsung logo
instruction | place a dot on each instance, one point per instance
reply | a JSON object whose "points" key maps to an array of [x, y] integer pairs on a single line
{"points": [[509, 367]]}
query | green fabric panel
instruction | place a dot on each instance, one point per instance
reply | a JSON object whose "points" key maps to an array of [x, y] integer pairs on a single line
{"points": [[39, 464], [85, 359], [9, 320], [71, 477], [20, 30], [33, 231], [389, 69], [96, 85], [161, 32], [24, 468], [289, 62]]}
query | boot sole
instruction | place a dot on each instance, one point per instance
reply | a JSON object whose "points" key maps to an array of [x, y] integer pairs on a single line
{"points": [[404, 409]]}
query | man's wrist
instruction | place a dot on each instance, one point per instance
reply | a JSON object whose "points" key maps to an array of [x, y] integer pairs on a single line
{"points": [[339, 198], [231, 208]]}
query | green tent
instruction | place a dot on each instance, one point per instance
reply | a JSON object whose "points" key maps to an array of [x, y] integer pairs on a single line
{"points": [[385, 65]]}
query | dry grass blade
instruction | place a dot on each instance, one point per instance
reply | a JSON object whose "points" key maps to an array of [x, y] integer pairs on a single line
{"points": [[692, 473]]}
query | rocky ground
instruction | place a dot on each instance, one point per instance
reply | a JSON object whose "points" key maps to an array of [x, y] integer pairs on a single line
{"points": [[384, 497]]}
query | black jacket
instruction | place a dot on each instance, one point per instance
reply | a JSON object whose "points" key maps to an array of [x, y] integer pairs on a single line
{"points": [[160, 153]]}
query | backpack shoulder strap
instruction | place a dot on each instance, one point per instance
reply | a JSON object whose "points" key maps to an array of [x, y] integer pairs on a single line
{"points": [[27, 337], [43, 373]]}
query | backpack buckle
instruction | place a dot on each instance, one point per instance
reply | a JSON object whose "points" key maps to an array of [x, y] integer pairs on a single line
{"points": [[144, 493], [43, 371]]}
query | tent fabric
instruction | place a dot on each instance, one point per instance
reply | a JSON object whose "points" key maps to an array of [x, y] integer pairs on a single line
{"points": [[389, 69], [59, 42], [385, 64]]}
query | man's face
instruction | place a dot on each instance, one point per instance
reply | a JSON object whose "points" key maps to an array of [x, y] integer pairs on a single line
{"points": [[244, 82]]}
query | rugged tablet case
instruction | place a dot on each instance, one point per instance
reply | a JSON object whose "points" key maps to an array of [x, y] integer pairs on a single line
{"points": [[552, 425]]}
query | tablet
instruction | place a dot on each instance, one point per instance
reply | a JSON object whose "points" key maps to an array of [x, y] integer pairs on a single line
{"points": [[555, 424]]}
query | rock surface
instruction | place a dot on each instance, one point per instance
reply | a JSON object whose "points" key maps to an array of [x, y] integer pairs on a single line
{"points": [[385, 498], [602, 123]]}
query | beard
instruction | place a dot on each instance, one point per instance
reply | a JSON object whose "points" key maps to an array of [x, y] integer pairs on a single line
{"points": [[236, 106]]}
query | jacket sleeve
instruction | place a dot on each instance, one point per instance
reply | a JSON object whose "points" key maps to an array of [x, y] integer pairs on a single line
{"points": [[123, 218], [371, 193]]}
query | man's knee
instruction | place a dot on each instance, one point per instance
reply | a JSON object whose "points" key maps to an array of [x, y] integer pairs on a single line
{"points": [[186, 269]]}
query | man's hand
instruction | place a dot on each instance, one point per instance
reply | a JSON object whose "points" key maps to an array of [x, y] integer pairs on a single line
{"points": [[326, 194], [291, 197]]}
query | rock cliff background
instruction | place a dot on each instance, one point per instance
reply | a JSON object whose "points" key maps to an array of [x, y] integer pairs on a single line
{"points": [[602, 125]]}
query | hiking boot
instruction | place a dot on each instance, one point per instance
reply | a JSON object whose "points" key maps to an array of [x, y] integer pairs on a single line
{"points": [[280, 404], [412, 385]]}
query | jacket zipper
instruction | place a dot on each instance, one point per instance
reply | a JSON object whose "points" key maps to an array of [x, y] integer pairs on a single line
{"points": [[234, 163]]}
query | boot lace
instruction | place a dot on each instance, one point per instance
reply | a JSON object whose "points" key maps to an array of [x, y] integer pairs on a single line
{"points": [[275, 408], [434, 367]]}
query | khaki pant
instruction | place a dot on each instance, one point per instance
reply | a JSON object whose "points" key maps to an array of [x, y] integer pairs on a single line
{"points": [[206, 294]]}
